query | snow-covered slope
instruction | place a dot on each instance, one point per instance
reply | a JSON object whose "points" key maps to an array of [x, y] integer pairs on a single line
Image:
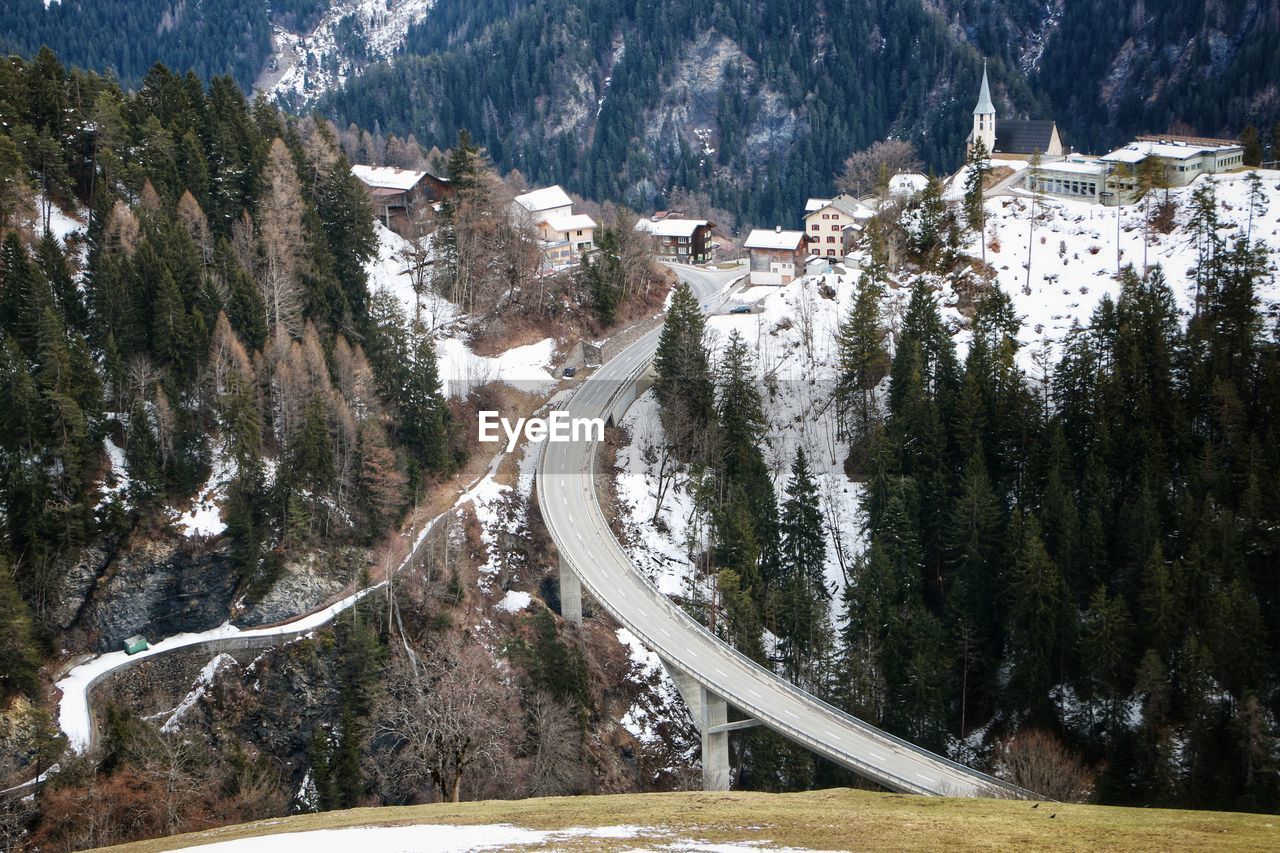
{"points": [[1074, 253], [350, 34], [792, 337]]}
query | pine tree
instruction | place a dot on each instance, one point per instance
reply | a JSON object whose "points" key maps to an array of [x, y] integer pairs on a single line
{"points": [[423, 413], [1039, 620], [740, 411], [21, 670], [802, 612], [684, 386], [348, 778], [863, 362], [978, 166]]}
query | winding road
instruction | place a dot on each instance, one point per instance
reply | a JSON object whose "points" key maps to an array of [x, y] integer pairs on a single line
{"points": [[569, 504]]}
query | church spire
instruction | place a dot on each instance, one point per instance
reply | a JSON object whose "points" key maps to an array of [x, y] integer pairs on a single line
{"points": [[984, 107]]}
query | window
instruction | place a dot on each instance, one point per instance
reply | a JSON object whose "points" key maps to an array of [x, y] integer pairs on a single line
{"points": [[835, 227], [815, 227], [831, 239], [831, 252]]}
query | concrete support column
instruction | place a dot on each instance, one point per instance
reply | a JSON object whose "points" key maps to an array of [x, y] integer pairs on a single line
{"points": [[715, 744], [570, 594]]}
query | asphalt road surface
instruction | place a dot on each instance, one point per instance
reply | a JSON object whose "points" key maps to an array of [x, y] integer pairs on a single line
{"points": [[567, 495]]}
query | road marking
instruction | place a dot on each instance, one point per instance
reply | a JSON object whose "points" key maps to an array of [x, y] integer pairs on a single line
{"points": [[831, 734], [875, 756], [791, 714]]}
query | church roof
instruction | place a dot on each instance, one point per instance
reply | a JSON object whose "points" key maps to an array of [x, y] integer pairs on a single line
{"points": [[984, 107], [1021, 136]]}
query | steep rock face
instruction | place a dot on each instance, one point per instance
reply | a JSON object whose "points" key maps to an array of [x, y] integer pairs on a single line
{"points": [[157, 588], [306, 584], [79, 573]]}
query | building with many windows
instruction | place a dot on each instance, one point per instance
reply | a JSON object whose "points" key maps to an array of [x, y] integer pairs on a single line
{"points": [[1182, 159], [1078, 177]]}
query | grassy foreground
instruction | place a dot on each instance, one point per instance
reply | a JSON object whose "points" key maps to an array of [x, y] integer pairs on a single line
{"points": [[836, 819]]}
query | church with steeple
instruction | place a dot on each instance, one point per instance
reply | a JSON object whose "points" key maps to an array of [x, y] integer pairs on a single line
{"points": [[1021, 137]]}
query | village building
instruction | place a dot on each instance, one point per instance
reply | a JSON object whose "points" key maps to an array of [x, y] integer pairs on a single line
{"points": [[1016, 137], [563, 236], [1183, 158], [907, 184], [777, 256], [397, 194], [1113, 178], [1080, 178], [833, 224], [683, 241]]}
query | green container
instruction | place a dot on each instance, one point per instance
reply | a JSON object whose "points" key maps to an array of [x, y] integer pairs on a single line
{"points": [[136, 643]]}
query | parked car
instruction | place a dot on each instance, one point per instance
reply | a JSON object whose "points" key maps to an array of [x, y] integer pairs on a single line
{"points": [[569, 372], [740, 309]]}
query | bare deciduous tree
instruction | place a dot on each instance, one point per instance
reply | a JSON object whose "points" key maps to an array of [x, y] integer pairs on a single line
{"points": [[1036, 760], [868, 170], [283, 240], [557, 754], [449, 713]]}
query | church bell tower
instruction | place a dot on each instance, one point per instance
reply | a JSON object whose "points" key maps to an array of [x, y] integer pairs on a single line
{"points": [[984, 116]]}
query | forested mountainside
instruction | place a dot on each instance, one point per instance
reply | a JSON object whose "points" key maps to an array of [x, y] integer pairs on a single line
{"points": [[1070, 556], [126, 38], [756, 104], [215, 425]]}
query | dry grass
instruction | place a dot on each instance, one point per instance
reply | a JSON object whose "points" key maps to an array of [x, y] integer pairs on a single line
{"points": [[837, 819]]}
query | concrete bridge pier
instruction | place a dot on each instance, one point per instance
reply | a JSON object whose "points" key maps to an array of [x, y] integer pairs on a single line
{"points": [[716, 774], [710, 714], [570, 594]]}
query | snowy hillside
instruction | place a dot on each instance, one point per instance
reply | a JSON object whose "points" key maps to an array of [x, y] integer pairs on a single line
{"points": [[308, 64], [792, 338], [461, 369], [1074, 253]]}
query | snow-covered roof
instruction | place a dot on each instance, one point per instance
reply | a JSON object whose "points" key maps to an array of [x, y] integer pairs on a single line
{"points": [[1076, 167], [388, 177], [816, 204], [571, 222], [671, 227], [1135, 152], [763, 238], [546, 198], [907, 182], [843, 203]]}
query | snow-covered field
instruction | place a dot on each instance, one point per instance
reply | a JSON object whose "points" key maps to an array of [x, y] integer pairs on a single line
{"points": [[1074, 253], [445, 838], [461, 369]]}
